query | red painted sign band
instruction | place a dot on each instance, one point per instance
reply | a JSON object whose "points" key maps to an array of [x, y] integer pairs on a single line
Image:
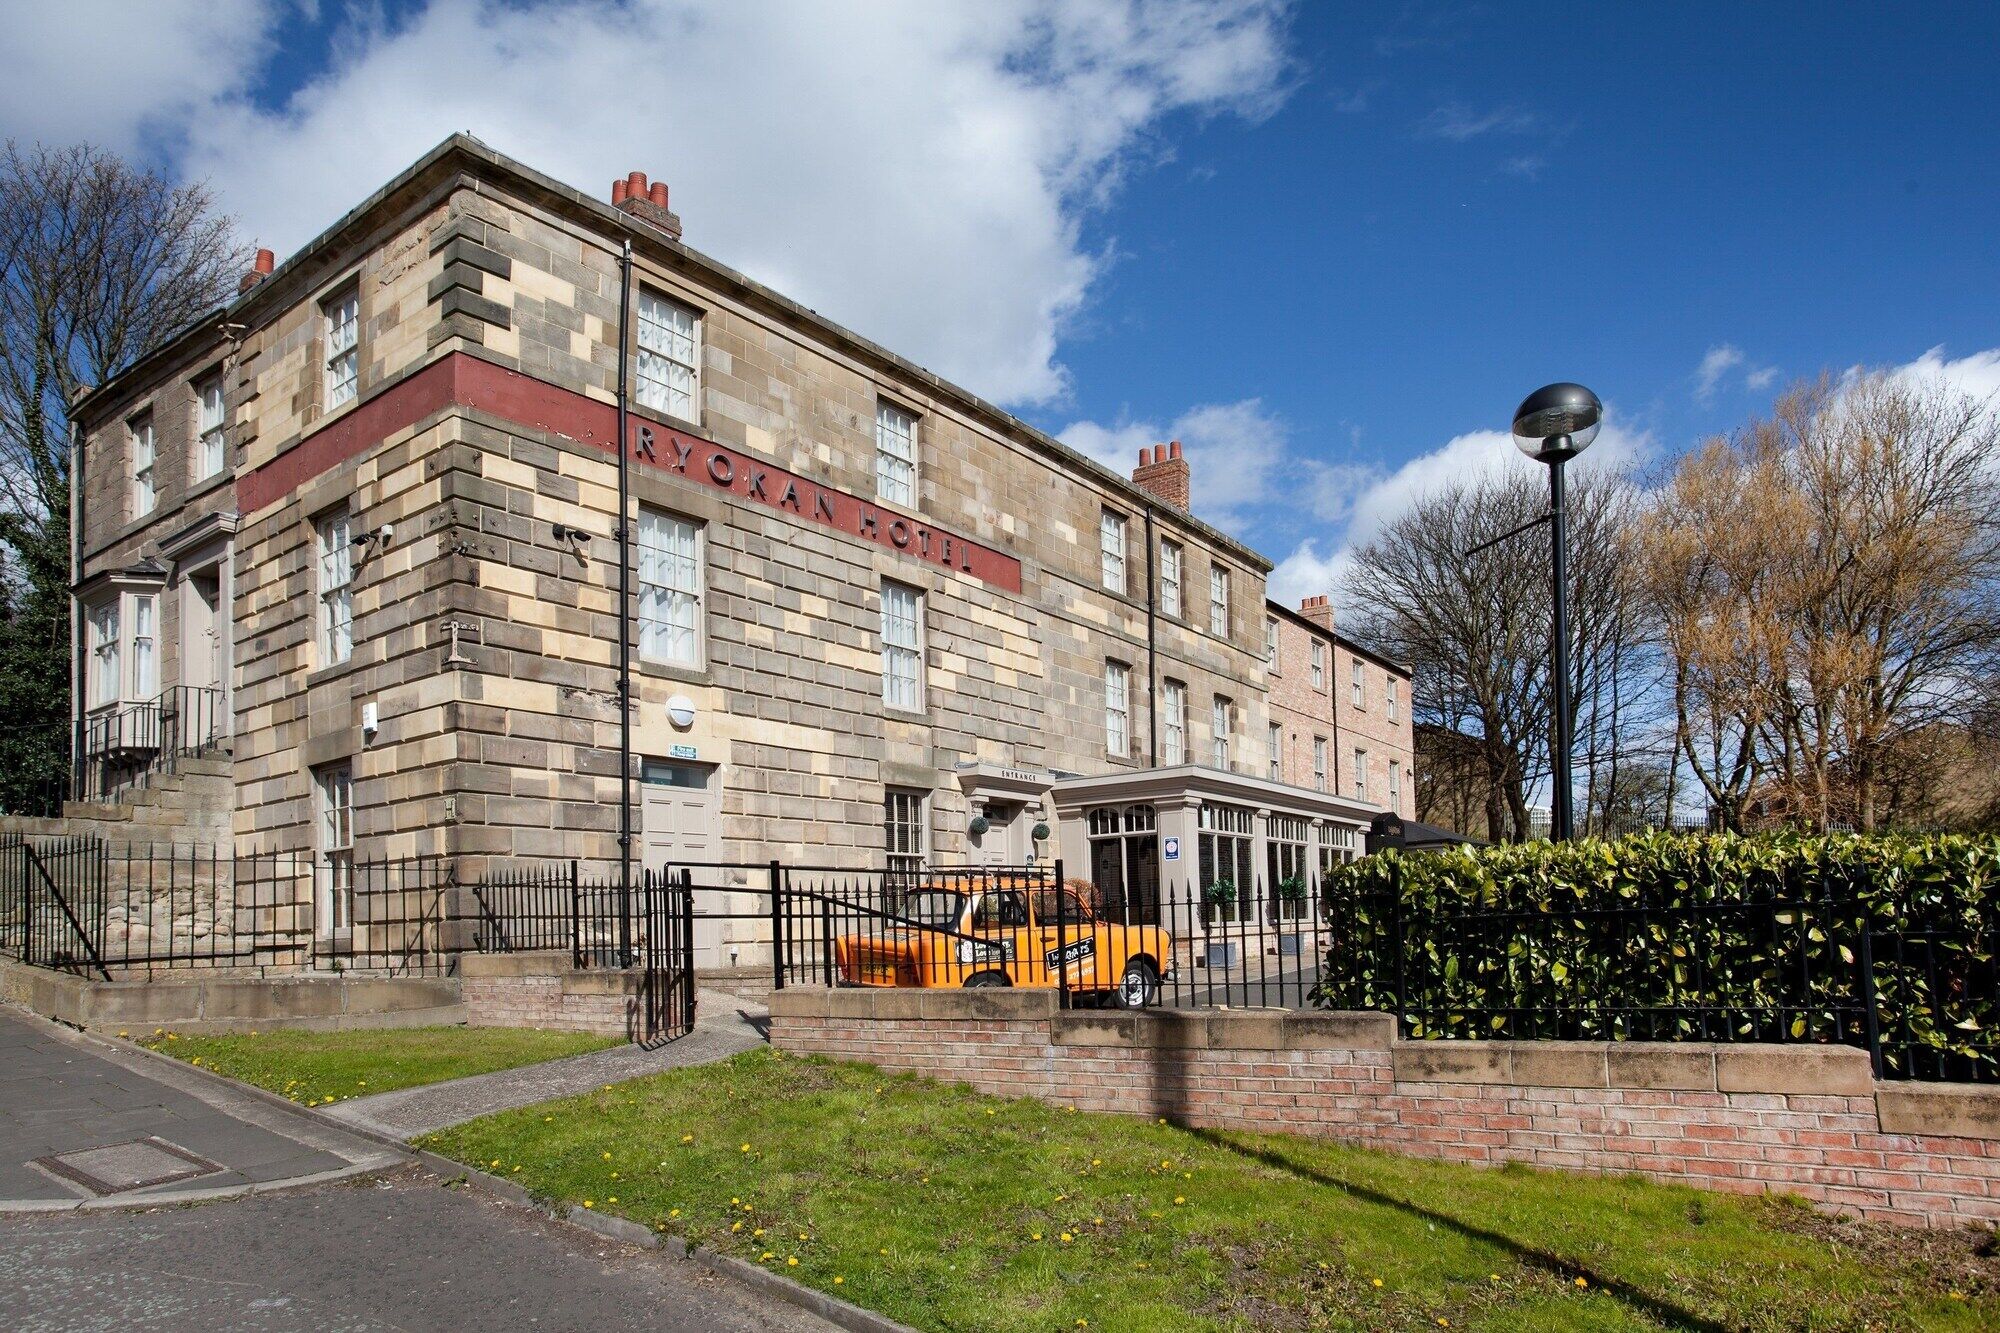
{"points": [[526, 401]]}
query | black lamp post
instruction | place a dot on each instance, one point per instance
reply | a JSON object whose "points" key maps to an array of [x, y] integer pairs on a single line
{"points": [[1553, 425]]}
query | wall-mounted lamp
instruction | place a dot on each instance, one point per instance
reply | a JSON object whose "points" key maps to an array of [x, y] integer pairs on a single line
{"points": [[375, 539], [1041, 833], [980, 823], [565, 533]]}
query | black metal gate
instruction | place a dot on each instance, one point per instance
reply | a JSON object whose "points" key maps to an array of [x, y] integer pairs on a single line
{"points": [[666, 953]]}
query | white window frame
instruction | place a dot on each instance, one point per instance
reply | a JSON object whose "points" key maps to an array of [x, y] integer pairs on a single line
{"points": [[1360, 774], [1395, 785], [1271, 641], [1319, 763], [895, 454], [1172, 563], [906, 829], [106, 685], [1117, 709], [902, 647], [145, 453], [1277, 734], [1173, 723], [334, 575], [1111, 550], [672, 581], [211, 437], [667, 368], [1219, 722], [1390, 705], [1359, 675], [333, 795], [1218, 601], [1319, 664], [340, 324], [145, 621]]}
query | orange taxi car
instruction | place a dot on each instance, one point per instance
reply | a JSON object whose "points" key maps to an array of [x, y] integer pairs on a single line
{"points": [[1002, 934]]}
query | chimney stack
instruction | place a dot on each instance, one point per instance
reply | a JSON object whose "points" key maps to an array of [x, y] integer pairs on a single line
{"points": [[266, 261], [1319, 610], [647, 202], [1163, 473]]}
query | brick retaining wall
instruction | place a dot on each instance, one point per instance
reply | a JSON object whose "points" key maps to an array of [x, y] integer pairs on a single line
{"points": [[1805, 1120], [233, 1000], [543, 990]]}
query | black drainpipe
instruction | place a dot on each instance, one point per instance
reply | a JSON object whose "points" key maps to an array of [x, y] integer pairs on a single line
{"points": [[1152, 656], [624, 534], [77, 678]]}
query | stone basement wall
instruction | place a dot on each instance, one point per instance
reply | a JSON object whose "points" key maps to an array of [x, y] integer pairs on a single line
{"points": [[1804, 1120], [543, 990], [228, 1000]]}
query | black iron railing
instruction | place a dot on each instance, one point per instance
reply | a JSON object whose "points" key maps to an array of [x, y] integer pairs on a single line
{"points": [[120, 748], [131, 910]]}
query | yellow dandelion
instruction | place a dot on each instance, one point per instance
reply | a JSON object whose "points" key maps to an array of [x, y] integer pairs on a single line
{"points": [[547, 1119], [517, 1166], [1494, 1276], [673, 1212], [1097, 1161], [1582, 1282], [883, 1253], [839, 1281], [124, 1034], [685, 1138], [766, 1256], [1034, 1235], [1179, 1199], [1066, 1238], [733, 1201], [744, 1148], [1097, 1221], [1443, 1322], [1142, 1264], [588, 1204], [989, 1110], [614, 1198], [494, 1162], [792, 1262], [735, 1226], [1061, 1197], [1374, 1281], [607, 1157], [758, 1232]]}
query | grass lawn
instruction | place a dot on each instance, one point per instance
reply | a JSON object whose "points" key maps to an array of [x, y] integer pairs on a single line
{"points": [[311, 1067], [947, 1209]]}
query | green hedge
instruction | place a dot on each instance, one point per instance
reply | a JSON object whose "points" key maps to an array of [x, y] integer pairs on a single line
{"points": [[1670, 936]]}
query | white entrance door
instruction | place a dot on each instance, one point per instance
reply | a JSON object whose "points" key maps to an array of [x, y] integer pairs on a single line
{"points": [[204, 614], [680, 821]]}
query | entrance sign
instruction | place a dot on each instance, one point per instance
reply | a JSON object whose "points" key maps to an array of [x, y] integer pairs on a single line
{"points": [[1170, 849]]}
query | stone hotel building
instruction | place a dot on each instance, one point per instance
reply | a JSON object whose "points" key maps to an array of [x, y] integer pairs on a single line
{"points": [[365, 520]]}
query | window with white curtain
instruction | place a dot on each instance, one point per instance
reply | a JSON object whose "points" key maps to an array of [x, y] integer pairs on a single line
{"points": [[902, 647], [1360, 775], [140, 429], [668, 371], [670, 589], [895, 454], [1170, 578], [1359, 675], [1111, 547], [145, 645], [906, 833], [1173, 722], [1218, 601], [106, 683], [1395, 785], [1319, 664], [1271, 641], [1319, 763], [1277, 753], [1117, 708], [336, 591], [341, 317], [1218, 746], [209, 442], [1391, 705]]}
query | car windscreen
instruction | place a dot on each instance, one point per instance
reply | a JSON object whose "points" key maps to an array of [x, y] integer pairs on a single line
{"points": [[934, 907]]}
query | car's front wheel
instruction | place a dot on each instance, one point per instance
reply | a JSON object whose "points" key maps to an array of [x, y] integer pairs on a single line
{"points": [[1138, 986], [986, 980]]}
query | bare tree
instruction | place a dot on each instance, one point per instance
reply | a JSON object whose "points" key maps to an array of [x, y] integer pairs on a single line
{"points": [[1476, 627]]}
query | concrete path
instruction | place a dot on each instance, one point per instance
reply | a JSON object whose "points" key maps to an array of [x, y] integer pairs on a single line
{"points": [[395, 1252], [89, 1123], [724, 1025]]}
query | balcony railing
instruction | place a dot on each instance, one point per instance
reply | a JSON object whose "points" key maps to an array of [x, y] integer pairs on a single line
{"points": [[121, 748]]}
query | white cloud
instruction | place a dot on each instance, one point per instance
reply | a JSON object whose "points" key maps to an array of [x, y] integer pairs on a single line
{"points": [[1977, 375], [121, 74], [1307, 572], [1236, 453], [919, 172], [1458, 122], [1719, 362]]}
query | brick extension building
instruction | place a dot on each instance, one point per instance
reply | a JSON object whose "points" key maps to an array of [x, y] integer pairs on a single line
{"points": [[363, 520]]}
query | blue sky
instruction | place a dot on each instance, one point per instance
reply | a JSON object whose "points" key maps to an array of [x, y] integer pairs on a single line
{"points": [[1330, 246]]}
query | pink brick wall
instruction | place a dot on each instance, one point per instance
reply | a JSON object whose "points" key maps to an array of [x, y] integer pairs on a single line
{"points": [[1828, 1147], [542, 991]]}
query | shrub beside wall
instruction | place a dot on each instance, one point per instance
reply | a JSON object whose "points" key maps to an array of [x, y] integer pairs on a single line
{"points": [[1881, 942]]}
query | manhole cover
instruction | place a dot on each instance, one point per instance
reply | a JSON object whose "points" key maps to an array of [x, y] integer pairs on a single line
{"points": [[120, 1167]]}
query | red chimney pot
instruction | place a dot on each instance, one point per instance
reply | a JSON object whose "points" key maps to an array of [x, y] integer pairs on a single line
{"points": [[636, 184], [1174, 448], [266, 261], [619, 190], [659, 193]]}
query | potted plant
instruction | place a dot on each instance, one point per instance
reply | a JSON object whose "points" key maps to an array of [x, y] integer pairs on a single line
{"points": [[1291, 902], [1218, 897]]}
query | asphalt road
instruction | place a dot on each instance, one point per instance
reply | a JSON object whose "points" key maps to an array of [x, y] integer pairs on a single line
{"points": [[399, 1252]]}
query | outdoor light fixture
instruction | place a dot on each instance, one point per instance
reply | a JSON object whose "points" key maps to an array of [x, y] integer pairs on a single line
{"points": [[980, 824], [1553, 425]]}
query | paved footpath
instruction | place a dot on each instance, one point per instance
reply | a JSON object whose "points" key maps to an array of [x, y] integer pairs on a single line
{"points": [[724, 1026], [402, 1251], [85, 1122]]}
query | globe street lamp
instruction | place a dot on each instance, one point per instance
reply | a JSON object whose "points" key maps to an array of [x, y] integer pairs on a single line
{"points": [[1553, 425]]}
